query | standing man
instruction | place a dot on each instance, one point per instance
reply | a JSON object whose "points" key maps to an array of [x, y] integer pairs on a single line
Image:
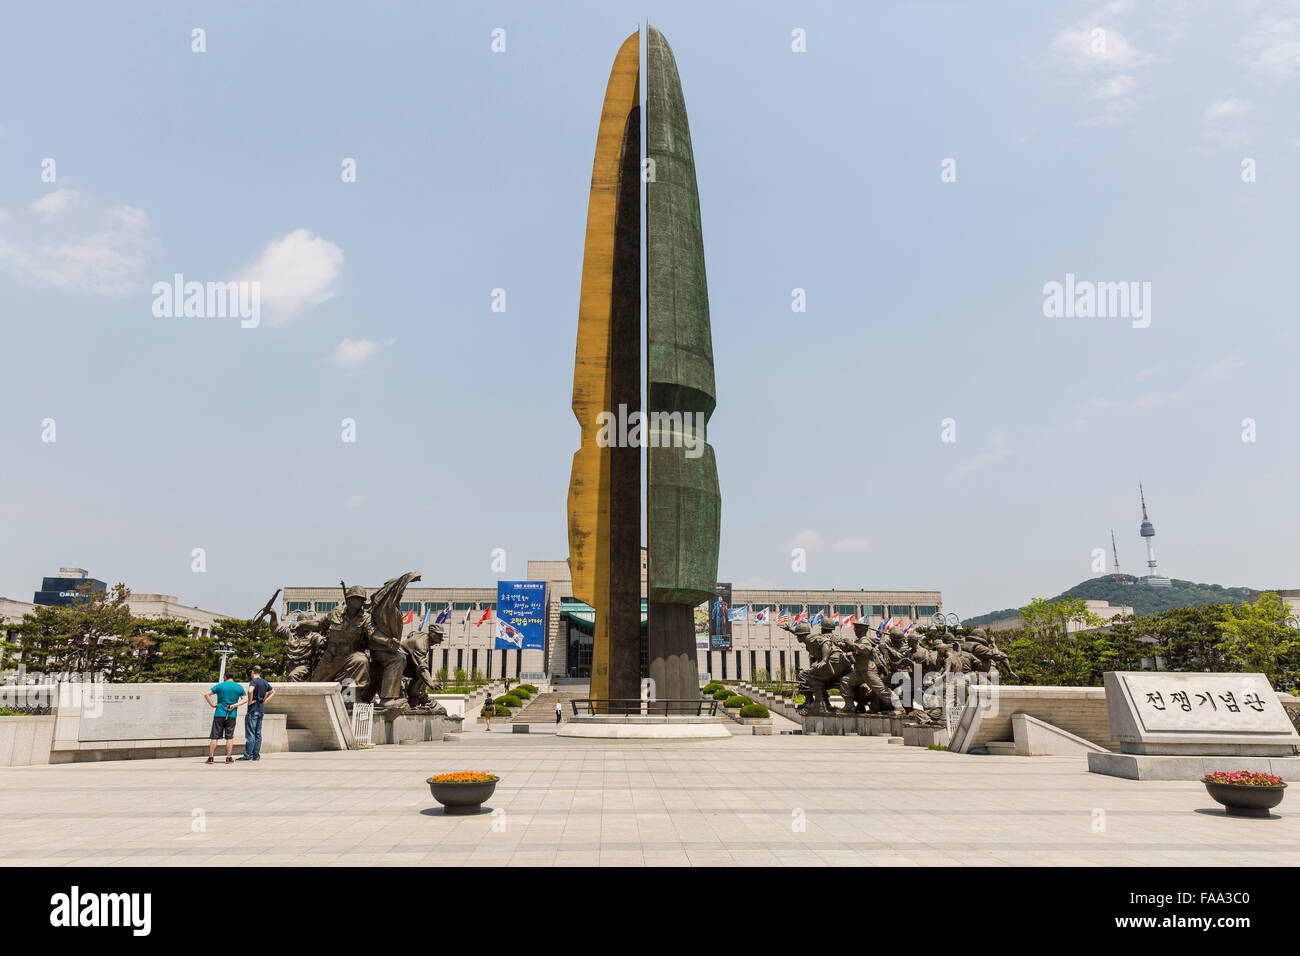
{"points": [[259, 692], [559, 711], [226, 698], [489, 710]]}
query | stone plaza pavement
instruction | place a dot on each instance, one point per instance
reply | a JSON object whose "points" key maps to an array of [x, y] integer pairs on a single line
{"points": [[708, 803]]}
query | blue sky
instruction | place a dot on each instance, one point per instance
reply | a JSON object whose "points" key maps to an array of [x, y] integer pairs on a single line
{"points": [[1118, 160]]}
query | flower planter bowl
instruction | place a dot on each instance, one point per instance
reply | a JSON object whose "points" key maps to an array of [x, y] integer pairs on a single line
{"points": [[460, 799], [1243, 800]]}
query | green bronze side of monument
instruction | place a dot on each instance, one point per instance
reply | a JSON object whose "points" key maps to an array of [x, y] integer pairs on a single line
{"points": [[683, 500]]}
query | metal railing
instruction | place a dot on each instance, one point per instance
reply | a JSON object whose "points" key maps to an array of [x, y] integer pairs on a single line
{"points": [[626, 706], [363, 724]]}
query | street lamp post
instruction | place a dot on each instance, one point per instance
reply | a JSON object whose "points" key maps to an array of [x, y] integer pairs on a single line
{"points": [[225, 649]]}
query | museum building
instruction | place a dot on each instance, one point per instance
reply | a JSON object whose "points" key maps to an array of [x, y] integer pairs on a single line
{"points": [[569, 625]]}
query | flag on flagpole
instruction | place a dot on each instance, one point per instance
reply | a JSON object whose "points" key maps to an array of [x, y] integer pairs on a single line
{"points": [[803, 616], [760, 617], [816, 619], [427, 612], [783, 618], [466, 621], [848, 621], [444, 615], [509, 634], [835, 621], [408, 617], [911, 626], [487, 613]]}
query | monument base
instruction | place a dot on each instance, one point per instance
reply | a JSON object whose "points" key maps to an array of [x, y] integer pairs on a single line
{"points": [[1186, 767], [643, 727]]}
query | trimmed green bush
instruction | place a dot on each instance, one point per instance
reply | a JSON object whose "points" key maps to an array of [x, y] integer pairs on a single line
{"points": [[736, 701], [502, 711], [510, 700], [722, 694], [710, 688], [532, 689], [521, 693], [754, 710]]}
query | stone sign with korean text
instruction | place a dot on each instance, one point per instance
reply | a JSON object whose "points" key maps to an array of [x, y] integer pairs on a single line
{"points": [[1159, 712], [146, 712]]}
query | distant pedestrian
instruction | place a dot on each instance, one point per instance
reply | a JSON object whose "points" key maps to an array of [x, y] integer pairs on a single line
{"points": [[225, 698], [259, 692], [489, 710], [559, 711]]}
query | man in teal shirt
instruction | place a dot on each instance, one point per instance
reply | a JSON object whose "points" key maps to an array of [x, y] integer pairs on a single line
{"points": [[226, 698]]}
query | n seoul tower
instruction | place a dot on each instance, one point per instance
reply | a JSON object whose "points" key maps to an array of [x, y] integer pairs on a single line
{"points": [[1149, 532]]}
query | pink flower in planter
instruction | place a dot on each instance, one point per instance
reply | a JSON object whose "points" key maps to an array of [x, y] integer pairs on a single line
{"points": [[1245, 778]]}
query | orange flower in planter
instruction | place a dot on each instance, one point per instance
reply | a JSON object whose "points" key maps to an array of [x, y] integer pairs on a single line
{"points": [[463, 776]]}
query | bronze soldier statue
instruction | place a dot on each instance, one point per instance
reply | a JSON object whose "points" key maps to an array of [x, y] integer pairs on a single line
{"points": [[861, 686], [387, 659], [302, 645], [418, 650], [347, 631], [827, 663], [987, 656]]}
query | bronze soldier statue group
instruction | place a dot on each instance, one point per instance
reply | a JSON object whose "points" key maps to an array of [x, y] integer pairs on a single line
{"points": [[360, 643], [864, 669]]}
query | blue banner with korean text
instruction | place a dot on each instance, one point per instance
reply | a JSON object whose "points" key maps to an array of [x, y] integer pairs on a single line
{"points": [[521, 615]]}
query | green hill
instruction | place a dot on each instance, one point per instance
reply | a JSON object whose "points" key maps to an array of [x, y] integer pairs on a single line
{"points": [[1143, 599]]}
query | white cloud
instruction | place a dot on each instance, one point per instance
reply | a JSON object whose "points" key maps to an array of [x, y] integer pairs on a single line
{"points": [[73, 239], [1102, 61], [1158, 398], [294, 272], [851, 544], [1223, 121], [356, 351], [808, 540], [53, 203], [997, 451], [1272, 50], [1221, 369]]}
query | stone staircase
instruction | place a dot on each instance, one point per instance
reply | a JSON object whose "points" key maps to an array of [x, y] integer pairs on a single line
{"points": [[540, 709]]}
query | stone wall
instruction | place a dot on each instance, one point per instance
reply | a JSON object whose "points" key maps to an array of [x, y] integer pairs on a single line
{"points": [[25, 741], [1079, 710]]}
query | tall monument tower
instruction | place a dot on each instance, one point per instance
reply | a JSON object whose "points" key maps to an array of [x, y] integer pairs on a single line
{"points": [[1148, 532], [682, 502]]}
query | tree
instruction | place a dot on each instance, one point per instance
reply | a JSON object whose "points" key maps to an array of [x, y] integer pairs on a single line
{"points": [[1187, 638], [191, 659], [1259, 639], [79, 638], [1042, 616]]}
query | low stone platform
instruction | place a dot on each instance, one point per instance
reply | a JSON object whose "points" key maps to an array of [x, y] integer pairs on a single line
{"points": [[412, 728], [1185, 766], [643, 727], [869, 725]]}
